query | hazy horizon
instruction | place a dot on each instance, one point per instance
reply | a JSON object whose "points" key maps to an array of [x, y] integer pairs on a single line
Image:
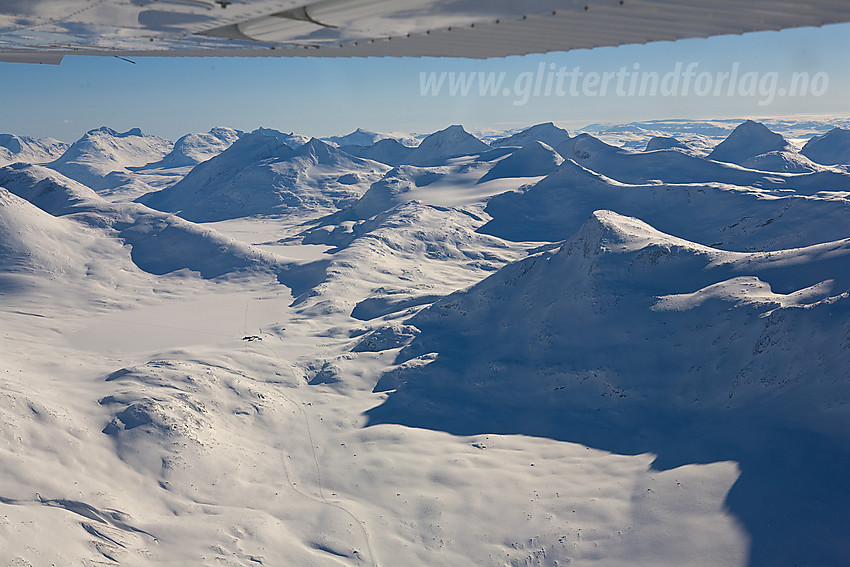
{"points": [[169, 97]]}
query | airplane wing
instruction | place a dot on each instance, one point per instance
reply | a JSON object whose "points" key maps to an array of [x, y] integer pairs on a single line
{"points": [[43, 31]]}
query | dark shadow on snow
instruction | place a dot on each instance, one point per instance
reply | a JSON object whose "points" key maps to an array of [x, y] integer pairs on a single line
{"points": [[792, 496]]}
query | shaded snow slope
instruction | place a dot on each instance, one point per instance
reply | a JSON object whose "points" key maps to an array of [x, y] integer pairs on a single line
{"points": [[406, 256], [781, 161], [45, 188], [748, 140], [441, 146], [29, 150], [192, 149], [547, 133], [533, 159], [631, 340], [664, 143], [158, 243], [388, 151], [668, 166], [832, 148], [259, 174], [725, 216], [359, 137], [585, 146], [35, 242]]}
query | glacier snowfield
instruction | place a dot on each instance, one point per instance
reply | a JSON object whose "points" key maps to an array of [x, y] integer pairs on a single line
{"points": [[628, 345]]}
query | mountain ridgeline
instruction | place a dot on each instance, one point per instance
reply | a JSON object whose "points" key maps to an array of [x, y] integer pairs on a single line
{"points": [[628, 345]]}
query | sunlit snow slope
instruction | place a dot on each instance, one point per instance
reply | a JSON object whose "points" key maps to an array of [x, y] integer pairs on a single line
{"points": [[545, 350]]}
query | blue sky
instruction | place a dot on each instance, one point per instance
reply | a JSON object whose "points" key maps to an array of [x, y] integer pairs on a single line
{"points": [[173, 96]]}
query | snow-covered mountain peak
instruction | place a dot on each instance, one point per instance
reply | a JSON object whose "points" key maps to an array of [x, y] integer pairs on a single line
{"points": [[585, 146], [292, 139], [546, 132], [610, 232], [533, 159], [102, 151], [261, 174], [195, 148], [253, 147], [391, 190], [832, 148], [109, 143], [448, 143], [571, 173], [781, 161], [359, 137], [23, 148], [452, 137], [664, 143], [322, 153], [106, 130], [45, 188], [388, 150], [748, 140]]}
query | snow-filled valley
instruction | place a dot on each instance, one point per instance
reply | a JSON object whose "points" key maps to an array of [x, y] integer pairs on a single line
{"points": [[628, 345]]}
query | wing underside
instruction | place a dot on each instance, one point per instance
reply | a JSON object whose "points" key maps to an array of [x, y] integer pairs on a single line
{"points": [[43, 31]]}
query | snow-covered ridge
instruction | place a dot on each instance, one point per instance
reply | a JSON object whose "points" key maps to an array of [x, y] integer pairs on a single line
{"points": [[748, 140], [192, 149], [546, 133], [600, 349], [632, 340], [158, 243], [102, 158], [259, 174], [29, 150], [440, 146], [737, 217], [534, 159], [832, 148]]}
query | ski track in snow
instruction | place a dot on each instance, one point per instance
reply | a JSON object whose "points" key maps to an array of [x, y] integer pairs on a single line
{"points": [[300, 407]]}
